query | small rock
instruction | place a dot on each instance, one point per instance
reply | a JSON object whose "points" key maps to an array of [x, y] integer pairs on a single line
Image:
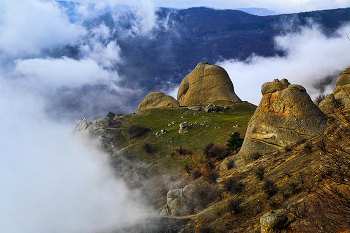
{"points": [[194, 108], [184, 127], [211, 108]]}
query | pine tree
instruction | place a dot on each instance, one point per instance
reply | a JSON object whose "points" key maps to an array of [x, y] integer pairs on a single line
{"points": [[234, 142]]}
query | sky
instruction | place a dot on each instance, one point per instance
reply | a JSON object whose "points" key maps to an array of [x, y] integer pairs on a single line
{"points": [[52, 182], [288, 6]]}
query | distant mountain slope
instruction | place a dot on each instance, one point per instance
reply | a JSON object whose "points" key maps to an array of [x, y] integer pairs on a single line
{"points": [[161, 58], [257, 11], [203, 34]]}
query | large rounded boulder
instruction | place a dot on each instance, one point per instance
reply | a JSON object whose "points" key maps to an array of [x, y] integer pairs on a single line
{"points": [[206, 84], [157, 100], [285, 115]]}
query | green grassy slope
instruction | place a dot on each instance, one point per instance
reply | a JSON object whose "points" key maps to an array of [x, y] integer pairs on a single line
{"points": [[205, 128]]}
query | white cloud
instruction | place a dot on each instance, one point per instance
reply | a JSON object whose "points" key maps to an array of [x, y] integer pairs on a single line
{"points": [[27, 27], [311, 56], [288, 6], [49, 182], [64, 71]]}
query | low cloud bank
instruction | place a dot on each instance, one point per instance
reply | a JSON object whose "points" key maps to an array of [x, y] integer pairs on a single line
{"points": [[49, 180], [312, 60]]}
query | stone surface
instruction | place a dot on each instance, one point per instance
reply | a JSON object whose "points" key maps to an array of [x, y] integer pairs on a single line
{"points": [[157, 100], [206, 84], [179, 201], [285, 115], [341, 91], [211, 108], [184, 127], [328, 104], [273, 220], [194, 108]]}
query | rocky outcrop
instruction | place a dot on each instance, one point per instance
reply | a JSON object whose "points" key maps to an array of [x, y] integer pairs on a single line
{"points": [[179, 202], [206, 84], [275, 219], [104, 134], [285, 115], [340, 96], [157, 100]]}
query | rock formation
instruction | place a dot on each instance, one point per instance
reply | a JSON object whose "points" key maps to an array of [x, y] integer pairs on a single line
{"points": [[285, 115], [340, 95], [274, 220], [179, 201], [157, 100], [206, 84]]}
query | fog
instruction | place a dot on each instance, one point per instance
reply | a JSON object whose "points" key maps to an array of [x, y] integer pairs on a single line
{"points": [[312, 60], [51, 181]]}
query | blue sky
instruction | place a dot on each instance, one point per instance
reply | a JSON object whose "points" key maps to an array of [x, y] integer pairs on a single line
{"points": [[288, 6]]}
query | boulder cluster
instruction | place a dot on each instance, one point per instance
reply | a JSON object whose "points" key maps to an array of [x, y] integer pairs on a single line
{"points": [[204, 85]]}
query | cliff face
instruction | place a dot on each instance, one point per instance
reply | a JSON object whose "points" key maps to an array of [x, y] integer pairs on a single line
{"points": [[285, 115]]}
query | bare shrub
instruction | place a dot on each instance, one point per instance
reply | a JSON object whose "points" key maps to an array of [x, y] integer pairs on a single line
{"points": [[259, 172], [307, 148], [230, 164], [322, 145], [207, 148], [183, 151], [210, 164], [319, 98], [195, 174], [211, 176], [255, 156], [203, 194], [270, 188], [234, 206], [293, 186], [187, 168], [137, 131], [233, 185], [215, 151], [329, 211]]}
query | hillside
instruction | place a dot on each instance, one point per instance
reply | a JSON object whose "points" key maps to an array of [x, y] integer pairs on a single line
{"points": [[295, 169], [177, 158]]}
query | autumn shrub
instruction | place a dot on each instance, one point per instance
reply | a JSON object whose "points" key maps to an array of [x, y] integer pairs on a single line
{"points": [[215, 151], [136, 131], [211, 176], [195, 174], [203, 194], [319, 98], [183, 151], [233, 185]]}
